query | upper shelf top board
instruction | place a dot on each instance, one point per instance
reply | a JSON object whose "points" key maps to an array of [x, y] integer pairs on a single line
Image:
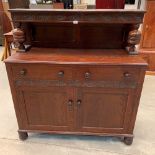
{"points": [[75, 16]]}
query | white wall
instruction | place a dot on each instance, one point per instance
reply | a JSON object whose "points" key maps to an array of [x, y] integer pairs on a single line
{"points": [[84, 1], [93, 2]]}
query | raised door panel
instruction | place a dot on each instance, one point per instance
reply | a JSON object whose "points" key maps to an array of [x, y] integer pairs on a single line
{"points": [[102, 36], [102, 110], [149, 26], [53, 35], [46, 109]]}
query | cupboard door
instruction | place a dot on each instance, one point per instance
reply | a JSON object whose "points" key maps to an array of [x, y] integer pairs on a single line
{"points": [[102, 110], [47, 109]]}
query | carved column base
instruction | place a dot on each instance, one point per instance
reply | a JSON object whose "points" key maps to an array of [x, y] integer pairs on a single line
{"points": [[25, 49], [131, 51]]}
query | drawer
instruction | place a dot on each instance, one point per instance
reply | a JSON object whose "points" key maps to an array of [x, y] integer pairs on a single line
{"points": [[41, 72], [106, 73]]}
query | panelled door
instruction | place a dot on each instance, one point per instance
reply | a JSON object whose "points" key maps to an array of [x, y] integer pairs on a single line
{"points": [[102, 110], [76, 109], [47, 108]]}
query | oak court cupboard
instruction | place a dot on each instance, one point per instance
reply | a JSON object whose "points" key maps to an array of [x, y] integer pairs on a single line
{"points": [[76, 71]]}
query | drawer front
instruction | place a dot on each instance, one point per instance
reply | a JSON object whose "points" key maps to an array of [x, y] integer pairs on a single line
{"points": [[84, 74], [41, 72], [106, 73]]}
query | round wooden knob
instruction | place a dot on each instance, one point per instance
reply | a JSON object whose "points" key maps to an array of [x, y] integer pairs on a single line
{"points": [[23, 72], [61, 74], [79, 102], [70, 105], [126, 74], [87, 75]]}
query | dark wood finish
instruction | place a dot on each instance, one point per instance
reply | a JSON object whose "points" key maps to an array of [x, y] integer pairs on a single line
{"points": [[84, 56], [147, 46], [82, 94], [47, 108], [78, 77], [89, 36], [83, 16], [80, 29], [94, 109]]}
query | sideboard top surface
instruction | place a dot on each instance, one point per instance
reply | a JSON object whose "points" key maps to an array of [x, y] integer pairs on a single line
{"points": [[76, 56], [76, 10]]}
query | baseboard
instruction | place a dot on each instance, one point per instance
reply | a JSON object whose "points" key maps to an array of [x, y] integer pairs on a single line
{"points": [[150, 73], [149, 57]]}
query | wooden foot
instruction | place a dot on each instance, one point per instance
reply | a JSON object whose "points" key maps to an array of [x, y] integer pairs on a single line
{"points": [[128, 140], [22, 135]]}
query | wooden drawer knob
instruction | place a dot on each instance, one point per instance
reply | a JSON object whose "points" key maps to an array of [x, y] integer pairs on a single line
{"points": [[87, 75], [70, 105], [127, 74], [79, 102], [61, 74], [23, 72]]}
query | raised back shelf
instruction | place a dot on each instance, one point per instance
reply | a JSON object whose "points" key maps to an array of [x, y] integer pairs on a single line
{"points": [[102, 29]]}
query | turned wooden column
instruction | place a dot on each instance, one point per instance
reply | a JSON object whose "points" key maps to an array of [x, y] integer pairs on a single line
{"points": [[21, 42], [19, 38], [133, 39]]}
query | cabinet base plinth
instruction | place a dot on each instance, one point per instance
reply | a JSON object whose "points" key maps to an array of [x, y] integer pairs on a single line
{"points": [[126, 139]]}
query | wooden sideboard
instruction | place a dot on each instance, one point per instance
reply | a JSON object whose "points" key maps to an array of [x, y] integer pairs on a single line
{"points": [[147, 46], [76, 71]]}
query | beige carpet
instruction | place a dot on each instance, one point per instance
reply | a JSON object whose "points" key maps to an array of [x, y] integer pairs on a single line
{"points": [[44, 144]]}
